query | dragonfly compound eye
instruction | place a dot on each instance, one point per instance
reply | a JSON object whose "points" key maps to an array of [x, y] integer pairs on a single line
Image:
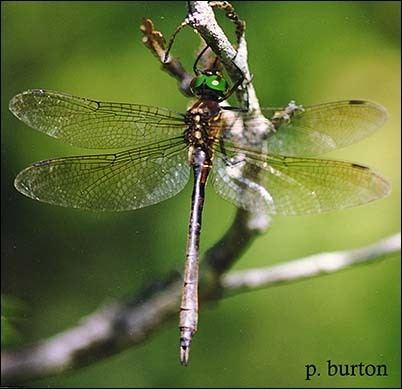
{"points": [[198, 82], [217, 84], [204, 85]]}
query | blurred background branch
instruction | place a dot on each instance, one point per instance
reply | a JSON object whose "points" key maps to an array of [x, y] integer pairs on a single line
{"points": [[123, 324]]}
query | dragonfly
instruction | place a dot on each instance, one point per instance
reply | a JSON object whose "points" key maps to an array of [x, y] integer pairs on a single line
{"points": [[158, 149]]}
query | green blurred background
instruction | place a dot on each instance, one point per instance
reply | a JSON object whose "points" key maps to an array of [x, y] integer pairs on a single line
{"points": [[64, 263]]}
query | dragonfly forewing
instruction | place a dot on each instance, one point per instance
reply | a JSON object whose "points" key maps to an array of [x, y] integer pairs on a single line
{"points": [[109, 182], [93, 124]]}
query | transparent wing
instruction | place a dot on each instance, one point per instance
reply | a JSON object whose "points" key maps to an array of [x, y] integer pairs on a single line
{"points": [[92, 124], [295, 186], [230, 182], [110, 182], [325, 127]]}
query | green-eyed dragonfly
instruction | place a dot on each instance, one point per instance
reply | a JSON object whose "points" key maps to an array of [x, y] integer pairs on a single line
{"points": [[160, 147]]}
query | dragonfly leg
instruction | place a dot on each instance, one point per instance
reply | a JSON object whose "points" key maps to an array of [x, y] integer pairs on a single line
{"points": [[246, 107], [231, 162], [202, 52], [286, 115], [234, 88], [172, 39], [236, 84]]}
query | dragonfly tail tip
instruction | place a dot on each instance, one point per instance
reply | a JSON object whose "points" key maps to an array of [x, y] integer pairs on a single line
{"points": [[184, 355]]}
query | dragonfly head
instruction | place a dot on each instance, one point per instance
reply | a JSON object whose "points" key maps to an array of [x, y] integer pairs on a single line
{"points": [[209, 85]]}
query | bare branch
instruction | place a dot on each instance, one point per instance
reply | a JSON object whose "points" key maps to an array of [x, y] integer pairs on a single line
{"points": [[120, 325], [231, 246], [308, 267], [156, 43], [105, 332]]}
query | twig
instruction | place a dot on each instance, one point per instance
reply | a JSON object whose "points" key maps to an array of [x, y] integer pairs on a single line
{"points": [[120, 325], [308, 267], [156, 43]]}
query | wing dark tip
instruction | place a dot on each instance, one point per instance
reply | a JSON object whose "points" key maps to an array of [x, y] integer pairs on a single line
{"points": [[362, 167], [41, 163], [378, 109]]}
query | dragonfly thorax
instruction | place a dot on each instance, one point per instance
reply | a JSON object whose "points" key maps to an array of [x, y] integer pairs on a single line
{"points": [[203, 127]]}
